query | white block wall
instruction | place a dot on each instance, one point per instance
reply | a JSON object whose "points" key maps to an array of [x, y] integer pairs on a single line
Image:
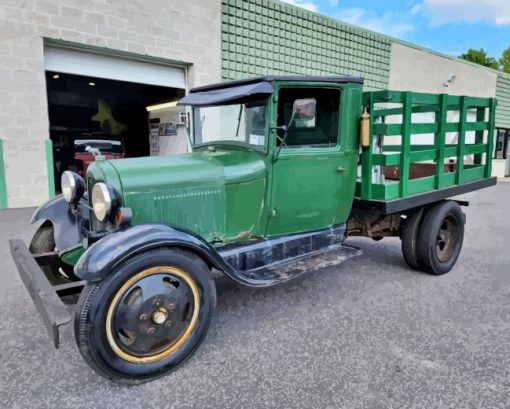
{"points": [[187, 31]]}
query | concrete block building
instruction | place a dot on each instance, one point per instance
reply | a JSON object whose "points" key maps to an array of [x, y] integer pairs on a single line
{"points": [[74, 70]]}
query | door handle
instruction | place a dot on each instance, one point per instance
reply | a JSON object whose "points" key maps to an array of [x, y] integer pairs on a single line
{"points": [[340, 169]]}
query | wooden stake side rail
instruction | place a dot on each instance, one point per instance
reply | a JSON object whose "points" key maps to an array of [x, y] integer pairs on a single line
{"points": [[386, 120]]}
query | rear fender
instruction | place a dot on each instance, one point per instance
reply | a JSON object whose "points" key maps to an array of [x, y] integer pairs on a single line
{"points": [[67, 226], [103, 256]]}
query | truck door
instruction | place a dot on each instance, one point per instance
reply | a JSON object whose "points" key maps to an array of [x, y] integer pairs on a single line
{"points": [[312, 166]]}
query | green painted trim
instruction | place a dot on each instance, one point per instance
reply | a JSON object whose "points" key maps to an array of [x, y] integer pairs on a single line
{"points": [[3, 185], [50, 168], [503, 107], [110, 51]]}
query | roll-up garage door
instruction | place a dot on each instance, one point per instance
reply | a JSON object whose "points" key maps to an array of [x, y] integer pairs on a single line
{"points": [[77, 62]]}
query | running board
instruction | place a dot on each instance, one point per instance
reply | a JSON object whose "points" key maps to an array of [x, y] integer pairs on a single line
{"points": [[268, 262], [293, 268]]}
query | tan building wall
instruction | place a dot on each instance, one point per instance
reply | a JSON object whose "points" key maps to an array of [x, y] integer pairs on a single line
{"points": [[176, 30], [416, 70]]}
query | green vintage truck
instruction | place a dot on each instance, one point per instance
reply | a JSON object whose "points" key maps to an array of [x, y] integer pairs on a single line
{"points": [[282, 171]]}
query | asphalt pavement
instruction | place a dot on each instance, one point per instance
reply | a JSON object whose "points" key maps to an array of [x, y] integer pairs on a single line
{"points": [[369, 333]]}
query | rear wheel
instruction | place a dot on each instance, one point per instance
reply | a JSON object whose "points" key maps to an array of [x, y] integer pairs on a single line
{"points": [[440, 238], [44, 242], [147, 317], [410, 230]]}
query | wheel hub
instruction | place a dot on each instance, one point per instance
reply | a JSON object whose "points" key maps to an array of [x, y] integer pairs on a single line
{"points": [[445, 242], [152, 314], [159, 316]]}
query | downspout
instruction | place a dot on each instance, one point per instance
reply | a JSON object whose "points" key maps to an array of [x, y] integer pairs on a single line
{"points": [[3, 185]]}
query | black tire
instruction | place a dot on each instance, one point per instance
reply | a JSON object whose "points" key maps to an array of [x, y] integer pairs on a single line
{"points": [[44, 242], [409, 235], [441, 237], [108, 349]]}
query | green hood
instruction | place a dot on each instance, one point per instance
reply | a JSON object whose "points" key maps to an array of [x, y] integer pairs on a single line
{"points": [[192, 190]]}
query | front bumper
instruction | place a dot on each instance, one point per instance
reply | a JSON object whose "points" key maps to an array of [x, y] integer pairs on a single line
{"points": [[45, 295]]}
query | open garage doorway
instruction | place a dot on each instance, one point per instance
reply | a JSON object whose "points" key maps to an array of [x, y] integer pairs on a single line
{"points": [[104, 113]]}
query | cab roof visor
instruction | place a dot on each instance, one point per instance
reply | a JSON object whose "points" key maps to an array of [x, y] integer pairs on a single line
{"points": [[228, 95]]}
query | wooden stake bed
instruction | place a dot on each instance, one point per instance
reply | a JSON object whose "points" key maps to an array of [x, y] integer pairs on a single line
{"points": [[395, 167]]}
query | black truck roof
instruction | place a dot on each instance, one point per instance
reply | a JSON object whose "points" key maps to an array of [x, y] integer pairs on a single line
{"points": [[273, 78]]}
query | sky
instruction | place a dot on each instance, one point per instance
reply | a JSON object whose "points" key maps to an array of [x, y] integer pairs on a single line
{"points": [[448, 26]]}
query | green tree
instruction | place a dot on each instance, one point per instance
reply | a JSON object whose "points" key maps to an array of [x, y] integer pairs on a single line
{"points": [[504, 61], [480, 57]]}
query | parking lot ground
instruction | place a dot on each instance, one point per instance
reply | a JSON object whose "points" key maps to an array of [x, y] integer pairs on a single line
{"points": [[369, 333]]}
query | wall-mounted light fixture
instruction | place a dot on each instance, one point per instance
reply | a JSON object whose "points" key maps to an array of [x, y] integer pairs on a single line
{"points": [[92, 84], [158, 107], [451, 79], [55, 76]]}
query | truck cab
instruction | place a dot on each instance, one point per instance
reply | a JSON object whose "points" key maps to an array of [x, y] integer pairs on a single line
{"points": [[305, 155]]}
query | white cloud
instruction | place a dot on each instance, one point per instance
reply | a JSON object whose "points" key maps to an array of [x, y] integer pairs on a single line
{"points": [[333, 3], [415, 9], [391, 23], [440, 12], [308, 5]]}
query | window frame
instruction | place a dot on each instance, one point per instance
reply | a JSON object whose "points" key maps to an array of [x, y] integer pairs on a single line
{"points": [[308, 148], [259, 148]]}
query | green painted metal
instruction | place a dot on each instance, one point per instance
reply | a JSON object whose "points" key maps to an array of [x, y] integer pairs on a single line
{"points": [[218, 194], [72, 255], [302, 175], [262, 37], [48, 144], [503, 97], [397, 121], [3, 184]]}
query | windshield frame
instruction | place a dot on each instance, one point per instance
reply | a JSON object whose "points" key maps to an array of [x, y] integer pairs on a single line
{"points": [[261, 148]]}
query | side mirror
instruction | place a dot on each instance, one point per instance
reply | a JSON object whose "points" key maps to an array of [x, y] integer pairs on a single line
{"points": [[303, 116], [304, 111]]}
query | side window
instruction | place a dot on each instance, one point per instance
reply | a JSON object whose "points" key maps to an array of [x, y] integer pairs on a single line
{"points": [[319, 131]]}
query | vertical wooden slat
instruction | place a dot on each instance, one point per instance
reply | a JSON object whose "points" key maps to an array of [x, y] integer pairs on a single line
{"points": [[480, 117], [367, 158], [440, 139], [490, 138], [406, 143], [461, 142]]}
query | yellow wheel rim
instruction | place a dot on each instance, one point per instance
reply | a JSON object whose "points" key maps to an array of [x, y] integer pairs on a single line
{"points": [[187, 279]]}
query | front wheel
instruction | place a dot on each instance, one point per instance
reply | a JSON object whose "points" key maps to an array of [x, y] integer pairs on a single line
{"points": [[146, 317], [44, 242], [440, 238]]}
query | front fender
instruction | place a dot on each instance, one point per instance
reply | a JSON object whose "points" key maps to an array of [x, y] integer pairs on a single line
{"points": [[67, 226], [99, 260]]}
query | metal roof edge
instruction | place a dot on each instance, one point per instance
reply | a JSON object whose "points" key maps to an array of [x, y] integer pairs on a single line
{"points": [[273, 78]]}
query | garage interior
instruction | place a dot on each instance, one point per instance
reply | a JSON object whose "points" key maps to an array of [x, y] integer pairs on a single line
{"points": [[113, 117]]}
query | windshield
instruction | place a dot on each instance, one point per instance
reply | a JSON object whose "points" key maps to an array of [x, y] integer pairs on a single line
{"points": [[239, 122]]}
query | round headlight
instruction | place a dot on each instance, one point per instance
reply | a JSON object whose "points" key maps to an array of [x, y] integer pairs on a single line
{"points": [[101, 201], [72, 186]]}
